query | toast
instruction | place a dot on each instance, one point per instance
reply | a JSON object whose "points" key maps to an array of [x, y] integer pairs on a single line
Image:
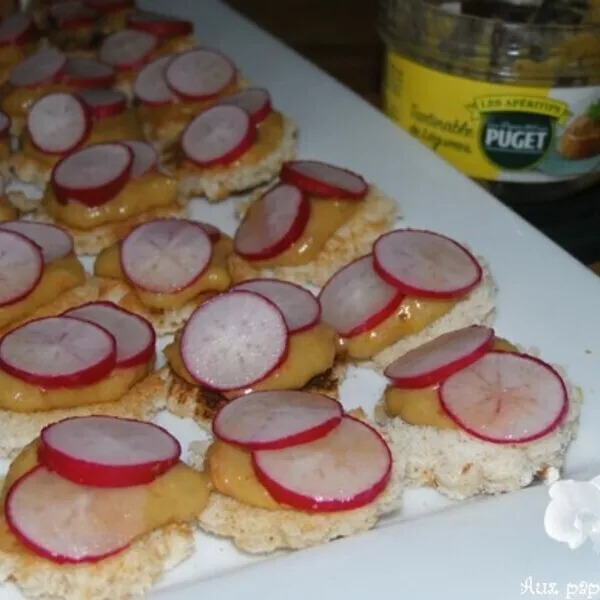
{"points": [[377, 215], [459, 465], [259, 530]]}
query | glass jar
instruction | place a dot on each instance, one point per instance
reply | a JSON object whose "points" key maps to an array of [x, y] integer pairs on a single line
{"points": [[507, 93]]}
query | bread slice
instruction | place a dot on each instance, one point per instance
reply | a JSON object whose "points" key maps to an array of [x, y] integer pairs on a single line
{"points": [[193, 401], [129, 574], [477, 308], [217, 185], [377, 215], [460, 465], [259, 530], [94, 240], [143, 401]]}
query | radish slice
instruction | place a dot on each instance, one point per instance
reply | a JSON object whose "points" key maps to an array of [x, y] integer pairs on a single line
{"points": [[70, 523], [145, 157], [322, 179], [273, 223], [58, 123], [255, 101], [55, 243], [199, 74], [127, 49], [43, 67], [346, 469], [277, 419], [103, 103], [234, 340], [4, 124], [58, 352], [356, 299], [17, 28], [85, 72], [506, 398], [426, 264], [110, 6], [93, 175], [218, 136], [300, 309], [21, 267], [162, 26], [441, 357], [107, 451], [150, 86], [213, 232], [165, 255], [134, 336], [72, 14]]}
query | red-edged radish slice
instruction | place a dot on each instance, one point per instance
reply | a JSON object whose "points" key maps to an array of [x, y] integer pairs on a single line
{"points": [[72, 14], [58, 352], [300, 309], [85, 72], [506, 398], [108, 451], [356, 299], [127, 49], [58, 123], [5, 122], [277, 419], [441, 357], [199, 74], [165, 255], [425, 264], [162, 26], [134, 336], [255, 101], [16, 29], [103, 103], [218, 136], [69, 523], [145, 157], [150, 86], [214, 233], [322, 179], [347, 468], [273, 223], [21, 266], [55, 243], [43, 67], [110, 6], [234, 340], [93, 175]]}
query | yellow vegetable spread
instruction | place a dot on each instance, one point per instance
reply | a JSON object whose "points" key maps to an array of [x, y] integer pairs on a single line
{"points": [[17, 101], [7, 211], [421, 406]]}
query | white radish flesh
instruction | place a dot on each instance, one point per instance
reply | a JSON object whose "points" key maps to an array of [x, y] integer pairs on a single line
{"points": [[21, 267], [58, 352], [199, 74], [255, 101], [150, 86], [40, 68], [348, 468], [165, 255], [424, 263], [72, 14], [273, 223], [145, 157], [218, 136], [356, 299], [108, 451], [54, 242], [506, 398], [85, 72], [300, 309], [58, 123], [430, 363], [134, 335], [70, 523], [16, 29], [128, 48], [103, 103], [234, 340], [276, 419]]}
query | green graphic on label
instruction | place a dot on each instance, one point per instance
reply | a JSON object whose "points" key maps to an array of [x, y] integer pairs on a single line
{"points": [[515, 140]]}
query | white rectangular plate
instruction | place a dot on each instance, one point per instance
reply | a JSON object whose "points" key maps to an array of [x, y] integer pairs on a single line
{"points": [[484, 548]]}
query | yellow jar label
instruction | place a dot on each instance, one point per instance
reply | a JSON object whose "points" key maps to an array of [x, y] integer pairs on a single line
{"points": [[496, 131]]}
